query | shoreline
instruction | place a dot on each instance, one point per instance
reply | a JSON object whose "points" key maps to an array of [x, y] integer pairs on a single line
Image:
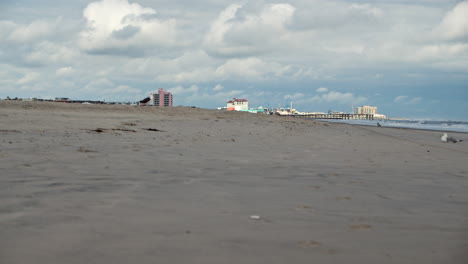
{"points": [[410, 128]]}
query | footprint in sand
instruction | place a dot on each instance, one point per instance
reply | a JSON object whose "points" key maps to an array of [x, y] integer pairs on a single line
{"points": [[360, 227], [309, 244], [304, 207], [85, 150], [341, 198]]}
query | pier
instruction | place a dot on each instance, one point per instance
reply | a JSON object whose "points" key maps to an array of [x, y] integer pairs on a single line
{"points": [[335, 116]]}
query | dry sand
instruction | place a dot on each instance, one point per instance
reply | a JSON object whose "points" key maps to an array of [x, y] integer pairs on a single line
{"points": [[88, 184]]}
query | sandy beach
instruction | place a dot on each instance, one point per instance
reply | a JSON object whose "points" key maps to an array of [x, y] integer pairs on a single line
{"points": [[126, 184]]}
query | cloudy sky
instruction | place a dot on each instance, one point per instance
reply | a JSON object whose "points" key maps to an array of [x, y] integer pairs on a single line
{"points": [[407, 57]]}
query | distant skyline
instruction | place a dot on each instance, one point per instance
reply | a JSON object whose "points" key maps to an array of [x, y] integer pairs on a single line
{"points": [[408, 58]]}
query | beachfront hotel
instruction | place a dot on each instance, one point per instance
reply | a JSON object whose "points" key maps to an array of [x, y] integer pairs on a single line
{"points": [[162, 98], [369, 110], [366, 110], [237, 104]]}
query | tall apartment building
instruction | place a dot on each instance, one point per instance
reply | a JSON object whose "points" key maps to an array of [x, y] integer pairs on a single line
{"points": [[366, 110], [162, 98]]}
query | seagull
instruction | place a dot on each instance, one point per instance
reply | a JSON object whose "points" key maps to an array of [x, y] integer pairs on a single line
{"points": [[445, 138]]}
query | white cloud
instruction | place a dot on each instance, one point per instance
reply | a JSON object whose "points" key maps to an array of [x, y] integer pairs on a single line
{"points": [[218, 87], [47, 52], [126, 89], [192, 66], [27, 33], [330, 98], [98, 85], [400, 98], [340, 48], [220, 26], [322, 15], [6, 27], [28, 78], [120, 28], [415, 100], [294, 96], [340, 98], [64, 71], [322, 90], [105, 89], [192, 75], [404, 99], [455, 23], [233, 34], [180, 90], [367, 9], [440, 51], [249, 68], [222, 97]]}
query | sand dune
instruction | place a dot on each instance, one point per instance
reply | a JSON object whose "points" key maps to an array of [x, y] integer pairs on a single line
{"points": [[126, 184]]}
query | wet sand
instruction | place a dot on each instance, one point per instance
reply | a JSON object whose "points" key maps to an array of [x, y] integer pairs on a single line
{"points": [[126, 184]]}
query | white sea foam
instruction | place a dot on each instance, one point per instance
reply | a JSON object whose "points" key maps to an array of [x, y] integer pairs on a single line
{"points": [[442, 125]]}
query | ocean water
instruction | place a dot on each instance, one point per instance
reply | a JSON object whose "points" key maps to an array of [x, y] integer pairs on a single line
{"points": [[440, 125]]}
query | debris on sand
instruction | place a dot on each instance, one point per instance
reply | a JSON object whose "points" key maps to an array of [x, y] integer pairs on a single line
{"points": [[129, 124], [309, 244], [360, 227], [85, 150], [124, 130], [153, 129], [100, 130], [9, 131], [445, 138]]}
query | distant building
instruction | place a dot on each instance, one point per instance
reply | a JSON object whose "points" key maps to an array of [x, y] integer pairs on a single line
{"points": [[162, 98], [380, 116], [237, 104], [61, 99], [366, 110]]}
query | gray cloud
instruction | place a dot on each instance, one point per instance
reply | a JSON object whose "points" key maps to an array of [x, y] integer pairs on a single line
{"points": [[267, 46], [126, 32], [235, 33]]}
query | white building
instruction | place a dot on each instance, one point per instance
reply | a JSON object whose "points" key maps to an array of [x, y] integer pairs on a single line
{"points": [[366, 110], [237, 104]]}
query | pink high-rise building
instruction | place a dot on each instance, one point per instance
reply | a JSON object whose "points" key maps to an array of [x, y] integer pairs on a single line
{"points": [[162, 98]]}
